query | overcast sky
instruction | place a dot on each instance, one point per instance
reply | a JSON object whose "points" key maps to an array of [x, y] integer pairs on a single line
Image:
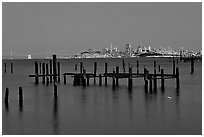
{"points": [[69, 28]]}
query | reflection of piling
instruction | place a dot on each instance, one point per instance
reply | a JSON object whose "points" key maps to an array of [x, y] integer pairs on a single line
{"points": [[11, 68], [55, 91], [36, 73], [177, 78], [20, 96], [117, 74], [6, 99], [95, 68], [159, 68], [192, 66], [47, 73], [54, 68], [58, 71], [50, 70], [43, 72], [150, 85], [162, 79], [106, 69], [4, 67]]}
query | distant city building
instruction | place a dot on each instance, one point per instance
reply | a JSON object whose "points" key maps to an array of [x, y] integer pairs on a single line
{"points": [[29, 56]]}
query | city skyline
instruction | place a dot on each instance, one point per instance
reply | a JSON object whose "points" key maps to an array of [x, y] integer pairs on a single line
{"points": [[68, 28]]}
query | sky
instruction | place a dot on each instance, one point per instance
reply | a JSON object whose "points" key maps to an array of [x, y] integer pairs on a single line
{"points": [[69, 28]]}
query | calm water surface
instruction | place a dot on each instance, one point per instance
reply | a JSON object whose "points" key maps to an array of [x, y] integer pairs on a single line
{"points": [[101, 110]]}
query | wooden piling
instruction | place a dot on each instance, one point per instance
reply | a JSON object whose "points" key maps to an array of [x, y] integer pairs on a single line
{"points": [[177, 78], [155, 81], [20, 96], [106, 70], [159, 68], [54, 68], [117, 74], [6, 99], [100, 80], [36, 73], [155, 65], [130, 79], [40, 68], [75, 81], [145, 79], [87, 79], [162, 79], [50, 70], [81, 67], [113, 78], [137, 67], [58, 71], [65, 80], [95, 68], [123, 66], [47, 73], [177, 61], [84, 78], [11, 68], [43, 72], [55, 91], [192, 65], [75, 68], [174, 67], [4, 67]]}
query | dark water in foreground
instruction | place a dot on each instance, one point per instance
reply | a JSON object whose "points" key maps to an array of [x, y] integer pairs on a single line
{"points": [[100, 110]]}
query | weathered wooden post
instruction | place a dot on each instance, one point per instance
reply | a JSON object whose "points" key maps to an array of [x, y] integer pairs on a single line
{"points": [[123, 66], [75, 81], [192, 65], [177, 61], [100, 80], [5, 67], [47, 73], [174, 66], [113, 77], [87, 78], [50, 70], [146, 72], [54, 68], [177, 78], [162, 79], [137, 67], [65, 80], [130, 79], [155, 81], [20, 96], [6, 99], [55, 91], [159, 68], [106, 70], [43, 72], [117, 74], [11, 68], [75, 68], [95, 68], [81, 67], [83, 78], [155, 65], [58, 71], [40, 68], [36, 73]]}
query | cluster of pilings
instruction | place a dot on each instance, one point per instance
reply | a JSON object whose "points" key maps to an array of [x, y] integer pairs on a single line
{"points": [[20, 98], [5, 67]]}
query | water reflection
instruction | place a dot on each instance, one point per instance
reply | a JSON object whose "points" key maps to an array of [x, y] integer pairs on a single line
{"points": [[55, 117]]}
